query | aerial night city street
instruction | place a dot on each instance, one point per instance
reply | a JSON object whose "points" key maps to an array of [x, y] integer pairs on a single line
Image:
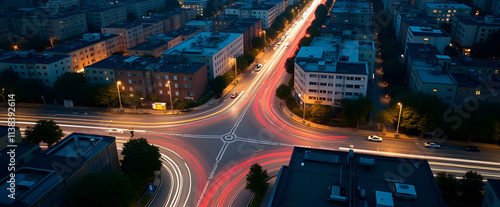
{"points": [[250, 103]]}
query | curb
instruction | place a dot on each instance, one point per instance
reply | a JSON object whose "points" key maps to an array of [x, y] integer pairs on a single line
{"points": [[156, 191]]}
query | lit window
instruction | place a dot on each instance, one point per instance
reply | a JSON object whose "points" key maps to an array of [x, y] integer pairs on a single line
{"points": [[434, 11], [478, 93], [435, 89], [426, 39]]}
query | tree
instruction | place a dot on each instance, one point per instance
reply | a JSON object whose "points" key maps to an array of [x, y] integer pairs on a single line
{"points": [[69, 86], [104, 189], [141, 158], [320, 113], [134, 100], [8, 78], [249, 57], [44, 131], [290, 64], [242, 62], [257, 180], [488, 49], [29, 90], [106, 94], [218, 84], [355, 111], [472, 185], [153, 97], [283, 91], [394, 71], [450, 51], [258, 42], [448, 184]]}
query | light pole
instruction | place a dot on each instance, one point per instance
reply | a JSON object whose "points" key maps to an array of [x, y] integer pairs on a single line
{"points": [[3, 94], [264, 38], [119, 98], [170, 92], [399, 118], [235, 71], [304, 108]]}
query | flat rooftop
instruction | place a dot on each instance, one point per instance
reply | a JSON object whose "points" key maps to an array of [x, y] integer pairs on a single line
{"points": [[339, 28], [476, 20], [203, 44], [29, 57], [123, 25], [351, 7], [30, 183], [472, 81], [76, 145], [312, 174], [141, 63], [149, 45], [81, 43], [183, 31], [467, 61], [421, 51], [429, 73], [447, 5], [427, 31]]}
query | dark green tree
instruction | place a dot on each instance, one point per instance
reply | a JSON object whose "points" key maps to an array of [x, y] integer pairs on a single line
{"points": [[249, 57], [258, 42], [257, 180], [103, 189], [44, 131], [321, 113], [69, 86], [29, 90], [450, 51], [106, 94], [153, 97], [134, 101], [283, 91], [488, 49], [290, 64], [472, 185], [356, 111], [394, 72], [141, 158], [242, 63], [218, 84], [448, 184], [8, 78]]}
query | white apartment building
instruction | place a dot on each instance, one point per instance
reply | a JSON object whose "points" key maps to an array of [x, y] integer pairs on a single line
{"points": [[437, 37], [131, 34], [218, 50], [468, 30], [102, 16], [46, 68], [59, 4], [197, 5], [56, 25], [267, 13], [321, 74], [444, 12], [93, 47]]}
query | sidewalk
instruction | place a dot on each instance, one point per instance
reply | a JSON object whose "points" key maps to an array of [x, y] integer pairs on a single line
{"points": [[269, 191]]}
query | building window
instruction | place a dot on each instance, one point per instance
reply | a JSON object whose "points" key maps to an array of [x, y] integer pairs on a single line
{"points": [[478, 93], [128, 73], [185, 86], [158, 77], [426, 39], [175, 77], [131, 89], [160, 91], [435, 89], [177, 93], [166, 77], [449, 90], [129, 80], [120, 73], [184, 78], [176, 86], [191, 94], [460, 91], [159, 84]]}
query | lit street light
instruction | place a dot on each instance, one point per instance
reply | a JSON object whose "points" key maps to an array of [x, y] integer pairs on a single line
{"points": [[170, 92], [3, 94], [119, 98], [304, 108], [399, 118]]}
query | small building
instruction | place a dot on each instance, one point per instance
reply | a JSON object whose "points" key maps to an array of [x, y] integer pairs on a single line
{"points": [[318, 177], [249, 27], [131, 34], [444, 12], [204, 25], [436, 37], [469, 30], [355, 12], [491, 193], [155, 45]]}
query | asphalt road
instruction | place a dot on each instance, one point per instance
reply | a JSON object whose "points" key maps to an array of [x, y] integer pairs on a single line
{"points": [[206, 154]]}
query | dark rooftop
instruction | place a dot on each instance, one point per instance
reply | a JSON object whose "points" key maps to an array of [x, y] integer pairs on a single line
{"points": [[355, 29], [141, 63], [351, 68], [418, 51], [471, 81], [149, 45], [183, 31], [30, 57], [419, 20], [313, 174], [495, 185], [474, 62], [123, 25], [81, 43], [476, 20], [225, 17]]}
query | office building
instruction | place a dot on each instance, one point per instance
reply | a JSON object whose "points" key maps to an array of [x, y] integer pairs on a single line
{"points": [[46, 68], [102, 16], [318, 177], [196, 5], [331, 69], [357, 13], [218, 50], [469, 30], [444, 12], [47, 178], [155, 45], [93, 47], [131, 34], [436, 37]]}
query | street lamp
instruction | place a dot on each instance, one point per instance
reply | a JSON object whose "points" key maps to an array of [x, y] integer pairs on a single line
{"points": [[304, 108], [235, 70], [119, 98], [170, 92], [3, 94], [264, 38], [399, 118]]}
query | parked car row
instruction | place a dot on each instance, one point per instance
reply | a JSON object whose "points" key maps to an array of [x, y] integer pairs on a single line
{"points": [[472, 148]]}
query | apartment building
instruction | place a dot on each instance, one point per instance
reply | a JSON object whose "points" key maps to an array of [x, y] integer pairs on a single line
{"points": [[437, 37], [58, 25], [327, 72], [357, 13], [196, 5], [6, 28], [474, 86], [131, 34], [155, 45], [444, 12], [184, 32], [176, 19], [60, 4], [152, 26], [101, 16], [223, 21], [46, 68], [348, 31], [218, 50], [204, 25], [266, 12], [140, 8], [249, 27], [492, 6], [148, 76], [93, 47], [405, 22], [469, 30], [492, 193]]}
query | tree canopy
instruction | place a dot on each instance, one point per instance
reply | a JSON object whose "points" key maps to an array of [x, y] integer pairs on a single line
{"points": [[488, 49], [106, 94], [29, 90], [472, 185], [44, 131], [290, 65], [104, 189], [140, 157], [320, 113], [258, 42], [355, 111], [257, 180], [448, 184], [69, 86], [283, 91]]}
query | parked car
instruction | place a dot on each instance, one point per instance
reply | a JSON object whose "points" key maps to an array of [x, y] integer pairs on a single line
{"points": [[374, 138], [258, 67], [234, 94], [218, 95], [115, 131], [275, 47], [472, 148], [432, 145]]}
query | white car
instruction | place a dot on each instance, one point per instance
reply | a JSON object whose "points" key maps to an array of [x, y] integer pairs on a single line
{"points": [[234, 94], [115, 131], [258, 67], [374, 138], [432, 145]]}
